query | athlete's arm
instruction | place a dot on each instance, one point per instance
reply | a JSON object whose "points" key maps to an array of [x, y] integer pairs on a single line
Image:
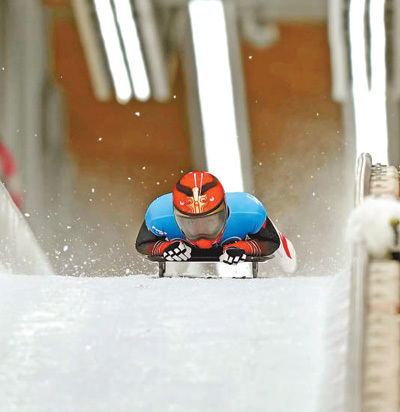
{"points": [[263, 243], [267, 238], [147, 243]]}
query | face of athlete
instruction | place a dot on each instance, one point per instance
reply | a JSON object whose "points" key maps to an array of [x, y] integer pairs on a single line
{"points": [[202, 231]]}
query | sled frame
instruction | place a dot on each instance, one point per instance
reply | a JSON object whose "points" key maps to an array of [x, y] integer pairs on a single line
{"points": [[254, 260]]}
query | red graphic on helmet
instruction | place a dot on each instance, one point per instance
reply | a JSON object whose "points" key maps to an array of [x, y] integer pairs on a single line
{"points": [[197, 193], [197, 203]]}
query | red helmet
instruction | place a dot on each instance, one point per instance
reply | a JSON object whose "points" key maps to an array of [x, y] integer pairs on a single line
{"points": [[200, 208]]}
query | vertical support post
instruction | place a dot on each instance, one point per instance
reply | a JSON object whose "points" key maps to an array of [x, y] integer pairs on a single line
{"points": [[254, 267], [200, 122], [161, 269], [239, 95]]}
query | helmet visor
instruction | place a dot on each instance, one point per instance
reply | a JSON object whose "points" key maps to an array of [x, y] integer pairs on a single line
{"points": [[202, 227]]}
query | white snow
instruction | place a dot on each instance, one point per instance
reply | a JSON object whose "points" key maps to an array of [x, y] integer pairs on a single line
{"points": [[333, 392], [139, 343], [374, 224]]}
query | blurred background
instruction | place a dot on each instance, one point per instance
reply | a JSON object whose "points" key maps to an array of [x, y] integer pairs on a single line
{"points": [[105, 103]]}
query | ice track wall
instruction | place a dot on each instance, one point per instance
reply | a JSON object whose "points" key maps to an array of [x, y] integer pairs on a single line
{"points": [[374, 344], [362, 320], [20, 252]]}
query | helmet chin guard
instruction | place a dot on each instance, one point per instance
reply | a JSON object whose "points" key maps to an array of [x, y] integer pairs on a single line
{"points": [[204, 243]]}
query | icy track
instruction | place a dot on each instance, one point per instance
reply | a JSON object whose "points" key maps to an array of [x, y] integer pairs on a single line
{"points": [[145, 344]]}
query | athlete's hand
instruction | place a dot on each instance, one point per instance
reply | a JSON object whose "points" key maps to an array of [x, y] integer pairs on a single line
{"points": [[177, 251], [233, 255]]}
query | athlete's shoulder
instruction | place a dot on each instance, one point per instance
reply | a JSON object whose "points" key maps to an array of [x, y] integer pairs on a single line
{"points": [[247, 210], [242, 201], [160, 205], [159, 213]]}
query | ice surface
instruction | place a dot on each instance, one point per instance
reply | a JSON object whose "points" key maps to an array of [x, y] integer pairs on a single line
{"points": [[333, 392], [145, 344]]}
